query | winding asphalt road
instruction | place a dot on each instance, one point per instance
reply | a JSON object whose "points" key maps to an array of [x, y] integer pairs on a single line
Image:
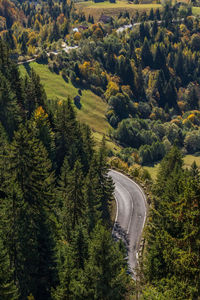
{"points": [[130, 216]]}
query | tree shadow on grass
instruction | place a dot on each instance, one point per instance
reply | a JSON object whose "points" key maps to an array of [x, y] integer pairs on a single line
{"points": [[27, 67]]}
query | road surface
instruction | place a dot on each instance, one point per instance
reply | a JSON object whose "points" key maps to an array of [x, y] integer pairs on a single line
{"points": [[130, 216], [26, 61], [66, 49], [130, 26]]}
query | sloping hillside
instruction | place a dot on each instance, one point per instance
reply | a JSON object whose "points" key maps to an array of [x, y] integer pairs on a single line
{"points": [[93, 108]]}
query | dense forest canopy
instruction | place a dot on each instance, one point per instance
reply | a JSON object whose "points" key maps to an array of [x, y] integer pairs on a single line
{"points": [[172, 262], [55, 199], [55, 195], [149, 76]]}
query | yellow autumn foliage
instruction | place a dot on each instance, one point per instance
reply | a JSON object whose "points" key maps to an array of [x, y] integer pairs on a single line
{"points": [[103, 74], [77, 36], [152, 116], [187, 122], [176, 121], [32, 38], [191, 117], [135, 170], [127, 90], [94, 27], [183, 28], [176, 46], [40, 114], [169, 33], [182, 105], [136, 157], [98, 33], [31, 50], [86, 69], [112, 89], [138, 53], [152, 79], [196, 112], [117, 163]]}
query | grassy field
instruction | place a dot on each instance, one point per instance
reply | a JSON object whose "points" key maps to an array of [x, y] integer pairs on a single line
{"points": [[93, 108], [188, 160], [112, 9], [196, 10], [118, 4], [153, 170]]}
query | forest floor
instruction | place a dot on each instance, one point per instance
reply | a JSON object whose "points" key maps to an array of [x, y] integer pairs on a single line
{"points": [[188, 160], [112, 9], [93, 108]]}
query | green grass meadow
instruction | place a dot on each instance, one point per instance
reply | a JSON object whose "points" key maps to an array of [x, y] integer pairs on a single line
{"points": [[93, 108], [112, 9], [118, 4], [188, 160], [92, 111], [196, 11]]}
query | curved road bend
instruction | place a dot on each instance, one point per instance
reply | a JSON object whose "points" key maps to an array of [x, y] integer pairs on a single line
{"points": [[131, 215]]}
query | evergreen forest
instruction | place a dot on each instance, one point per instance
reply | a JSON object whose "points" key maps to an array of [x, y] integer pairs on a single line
{"points": [[55, 239], [57, 202]]}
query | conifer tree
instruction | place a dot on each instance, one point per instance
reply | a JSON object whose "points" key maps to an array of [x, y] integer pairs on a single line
{"points": [[44, 132], [172, 261], [40, 94], [168, 186], [154, 28], [5, 61], [24, 48], [192, 99], [27, 206], [17, 86], [105, 272], [8, 290], [160, 85], [67, 134], [88, 147], [55, 34], [170, 94], [146, 55], [73, 206], [139, 84], [3, 147], [157, 14], [29, 103], [77, 70], [128, 74], [9, 110], [92, 196], [105, 183], [35, 94], [186, 264], [66, 267], [71, 261], [159, 59], [63, 182], [194, 170], [79, 246], [172, 162], [179, 64], [142, 32], [151, 14]]}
